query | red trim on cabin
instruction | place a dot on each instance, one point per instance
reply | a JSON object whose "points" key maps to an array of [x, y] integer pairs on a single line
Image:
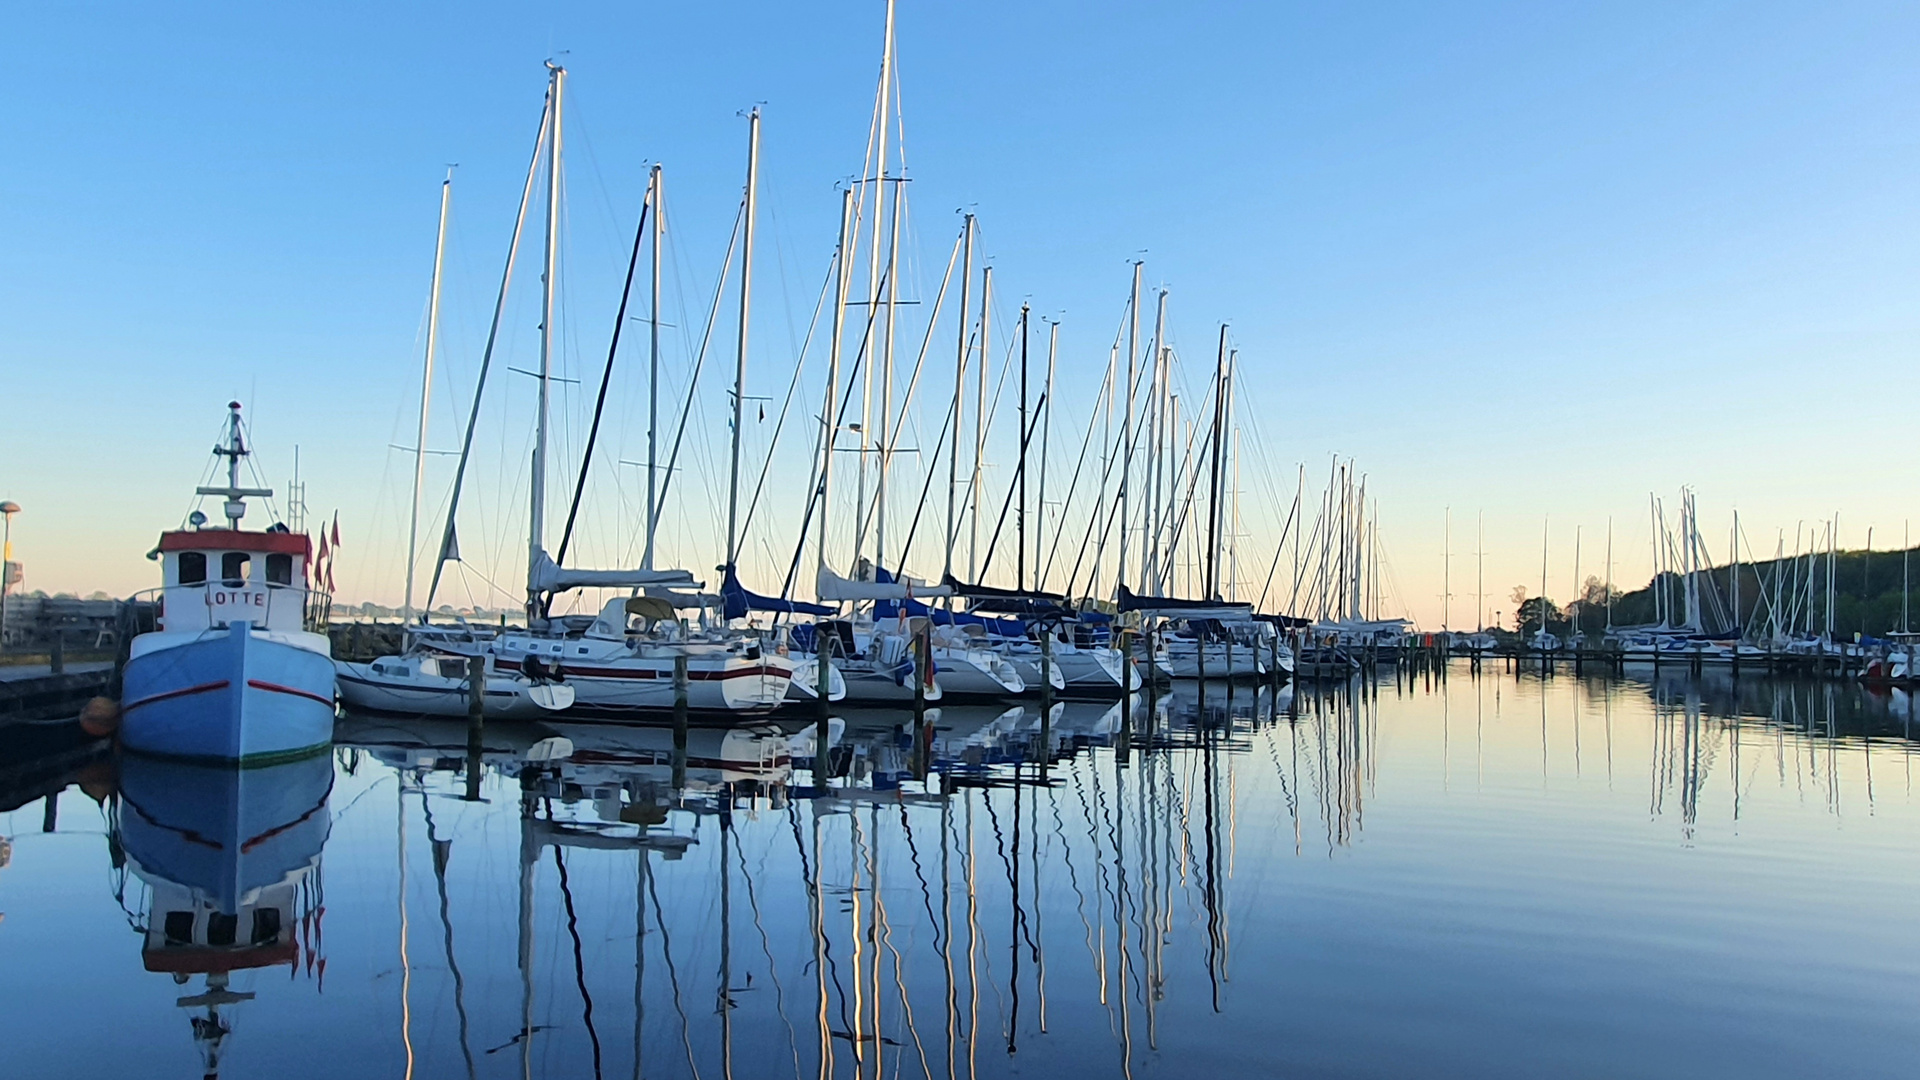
{"points": [[202, 959], [276, 688], [237, 540], [203, 688]]}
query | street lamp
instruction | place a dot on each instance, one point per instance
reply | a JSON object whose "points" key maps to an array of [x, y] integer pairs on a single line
{"points": [[7, 510]]}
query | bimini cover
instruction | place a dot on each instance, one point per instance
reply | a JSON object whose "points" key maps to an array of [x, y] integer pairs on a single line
{"points": [[738, 601], [1167, 607], [831, 587], [547, 576]]}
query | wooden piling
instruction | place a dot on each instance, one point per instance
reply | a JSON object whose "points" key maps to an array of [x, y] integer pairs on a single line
{"points": [[476, 722], [680, 721]]}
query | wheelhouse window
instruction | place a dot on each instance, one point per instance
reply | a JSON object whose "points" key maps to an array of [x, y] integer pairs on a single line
{"points": [[280, 569], [233, 568], [193, 568]]}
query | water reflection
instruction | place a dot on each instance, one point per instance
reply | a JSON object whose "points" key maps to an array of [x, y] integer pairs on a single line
{"points": [[225, 867], [1214, 880]]}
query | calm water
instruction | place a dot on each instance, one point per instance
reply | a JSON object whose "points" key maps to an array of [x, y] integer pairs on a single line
{"points": [[1490, 876]]}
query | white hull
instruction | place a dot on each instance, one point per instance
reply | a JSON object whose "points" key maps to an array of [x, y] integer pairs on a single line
{"points": [[402, 686]]}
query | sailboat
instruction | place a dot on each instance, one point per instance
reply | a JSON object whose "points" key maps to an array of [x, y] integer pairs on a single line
{"points": [[235, 671], [624, 658], [424, 680]]}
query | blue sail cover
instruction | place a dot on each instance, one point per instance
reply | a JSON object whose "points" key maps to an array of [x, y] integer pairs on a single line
{"points": [[1013, 629], [738, 601]]}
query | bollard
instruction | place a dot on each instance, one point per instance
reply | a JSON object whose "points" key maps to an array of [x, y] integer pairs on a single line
{"points": [[59, 658]]}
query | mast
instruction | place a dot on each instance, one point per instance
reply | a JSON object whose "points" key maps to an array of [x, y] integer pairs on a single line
{"points": [[828, 421], [1210, 583], [1543, 582], [1156, 435], [426, 389], [449, 544], [877, 142], [1609, 574], [1020, 518], [1046, 425], [1738, 627], [980, 417], [1480, 574], [1575, 625], [959, 389], [1446, 566], [656, 190], [1126, 422], [537, 511], [746, 307]]}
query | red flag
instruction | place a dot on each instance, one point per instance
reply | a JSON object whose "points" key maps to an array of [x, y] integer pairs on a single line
{"points": [[336, 528]]}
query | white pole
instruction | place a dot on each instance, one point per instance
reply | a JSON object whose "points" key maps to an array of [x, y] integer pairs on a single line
{"points": [[828, 420], [980, 417], [959, 391], [537, 512], [656, 190], [426, 390], [746, 306], [1126, 423], [1046, 426]]}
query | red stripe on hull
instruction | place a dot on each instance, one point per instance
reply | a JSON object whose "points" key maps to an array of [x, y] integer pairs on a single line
{"points": [[510, 668], [276, 688], [203, 688]]}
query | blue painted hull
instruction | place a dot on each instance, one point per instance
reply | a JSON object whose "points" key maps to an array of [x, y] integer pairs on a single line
{"points": [[222, 831], [228, 697]]}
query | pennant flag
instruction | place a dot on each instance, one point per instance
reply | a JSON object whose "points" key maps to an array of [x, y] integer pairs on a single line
{"points": [[336, 528]]}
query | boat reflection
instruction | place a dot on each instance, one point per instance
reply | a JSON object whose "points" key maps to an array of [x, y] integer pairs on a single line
{"points": [[230, 860]]}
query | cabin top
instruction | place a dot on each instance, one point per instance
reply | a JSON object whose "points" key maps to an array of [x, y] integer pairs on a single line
{"points": [[284, 543]]}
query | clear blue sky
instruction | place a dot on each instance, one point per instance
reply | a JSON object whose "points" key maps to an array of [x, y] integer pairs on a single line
{"points": [[1535, 260]]}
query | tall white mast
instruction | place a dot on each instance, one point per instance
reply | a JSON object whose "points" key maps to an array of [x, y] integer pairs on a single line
{"points": [[828, 419], [1446, 566], [1571, 609], [746, 307], [959, 391], [1156, 436], [980, 417], [879, 181], [1046, 425], [1739, 628], [426, 390], [1609, 574], [886, 352], [537, 512], [1543, 578], [655, 192], [1126, 423], [1480, 573]]}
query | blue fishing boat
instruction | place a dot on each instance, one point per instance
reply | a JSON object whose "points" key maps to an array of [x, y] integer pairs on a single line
{"points": [[235, 671]]}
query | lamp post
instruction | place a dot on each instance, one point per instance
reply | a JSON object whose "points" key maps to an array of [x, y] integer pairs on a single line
{"points": [[7, 510]]}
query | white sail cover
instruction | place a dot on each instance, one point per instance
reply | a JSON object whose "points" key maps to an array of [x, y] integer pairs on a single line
{"points": [[831, 587], [546, 576]]}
